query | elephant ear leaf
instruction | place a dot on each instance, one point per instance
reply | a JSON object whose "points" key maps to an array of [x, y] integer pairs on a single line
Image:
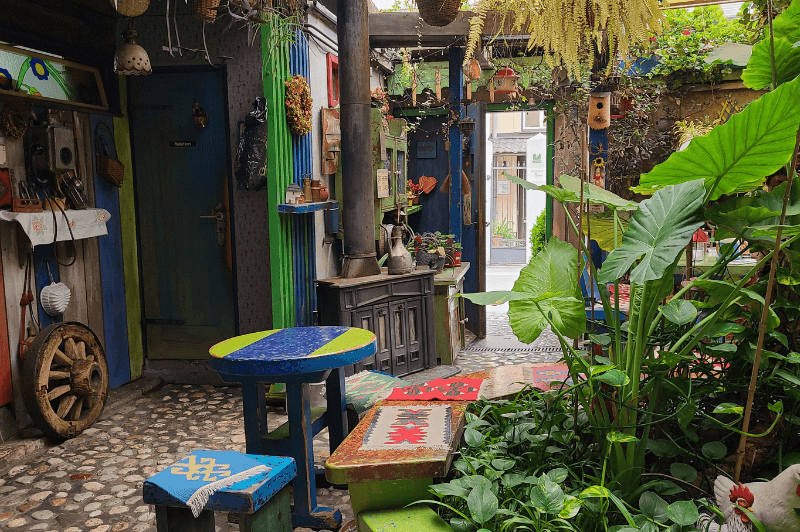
{"points": [[657, 233], [552, 270], [786, 31], [736, 156]]}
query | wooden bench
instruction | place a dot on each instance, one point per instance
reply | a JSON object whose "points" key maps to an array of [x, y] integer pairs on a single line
{"points": [[253, 486], [385, 479]]}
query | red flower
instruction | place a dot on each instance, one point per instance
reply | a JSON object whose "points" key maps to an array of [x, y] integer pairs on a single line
{"points": [[687, 32]]}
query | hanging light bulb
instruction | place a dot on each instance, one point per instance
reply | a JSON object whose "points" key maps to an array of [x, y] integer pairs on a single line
{"points": [[131, 59]]}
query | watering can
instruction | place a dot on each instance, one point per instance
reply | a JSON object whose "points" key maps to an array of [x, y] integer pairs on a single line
{"points": [[399, 258]]}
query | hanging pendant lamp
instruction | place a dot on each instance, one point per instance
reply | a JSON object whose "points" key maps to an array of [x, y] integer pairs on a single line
{"points": [[131, 59]]}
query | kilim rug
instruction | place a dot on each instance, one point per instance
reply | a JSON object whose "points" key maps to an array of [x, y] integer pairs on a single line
{"points": [[454, 389], [624, 296], [408, 427], [365, 389], [545, 377]]}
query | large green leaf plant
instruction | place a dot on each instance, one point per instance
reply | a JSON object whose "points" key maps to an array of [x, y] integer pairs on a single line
{"points": [[691, 187]]}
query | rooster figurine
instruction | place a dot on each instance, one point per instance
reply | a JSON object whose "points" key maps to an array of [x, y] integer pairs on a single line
{"points": [[776, 504]]}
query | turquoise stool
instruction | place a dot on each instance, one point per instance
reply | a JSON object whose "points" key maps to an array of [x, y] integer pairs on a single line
{"points": [[187, 493]]}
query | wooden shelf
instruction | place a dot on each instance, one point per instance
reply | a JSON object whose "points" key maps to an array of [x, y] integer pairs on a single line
{"points": [[303, 208]]}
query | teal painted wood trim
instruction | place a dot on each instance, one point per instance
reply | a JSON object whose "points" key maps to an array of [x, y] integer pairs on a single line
{"points": [[279, 176], [127, 222]]}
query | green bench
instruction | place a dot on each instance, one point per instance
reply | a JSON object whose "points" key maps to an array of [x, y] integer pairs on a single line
{"points": [[380, 481]]}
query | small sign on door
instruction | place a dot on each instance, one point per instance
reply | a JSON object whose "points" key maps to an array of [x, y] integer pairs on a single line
{"points": [[383, 183], [182, 143], [503, 187]]}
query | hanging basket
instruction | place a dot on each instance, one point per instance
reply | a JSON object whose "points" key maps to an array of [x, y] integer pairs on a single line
{"points": [[438, 12], [130, 8], [205, 10]]}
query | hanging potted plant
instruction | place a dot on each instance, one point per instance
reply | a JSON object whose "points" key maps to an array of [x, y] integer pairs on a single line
{"points": [[438, 12], [298, 105]]}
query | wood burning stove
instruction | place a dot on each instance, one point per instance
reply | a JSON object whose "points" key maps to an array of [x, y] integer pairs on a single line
{"points": [[397, 308]]}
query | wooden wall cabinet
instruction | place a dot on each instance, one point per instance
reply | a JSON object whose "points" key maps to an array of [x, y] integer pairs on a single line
{"points": [[397, 308]]}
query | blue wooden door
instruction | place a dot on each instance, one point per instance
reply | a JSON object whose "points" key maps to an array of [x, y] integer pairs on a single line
{"points": [[182, 193]]}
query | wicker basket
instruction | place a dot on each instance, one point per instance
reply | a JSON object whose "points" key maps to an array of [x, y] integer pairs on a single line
{"points": [[205, 10], [438, 12], [111, 169], [130, 8]]}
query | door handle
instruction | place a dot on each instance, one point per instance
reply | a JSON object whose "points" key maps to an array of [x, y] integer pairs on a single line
{"points": [[217, 214]]}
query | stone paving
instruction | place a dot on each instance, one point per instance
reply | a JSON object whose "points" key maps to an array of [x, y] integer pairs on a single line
{"points": [[93, 483]]}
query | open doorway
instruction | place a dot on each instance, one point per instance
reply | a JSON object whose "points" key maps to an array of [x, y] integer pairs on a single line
{"points": [[516, 145]]}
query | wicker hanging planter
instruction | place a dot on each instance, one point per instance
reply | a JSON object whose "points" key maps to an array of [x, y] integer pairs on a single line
{"points": [[205, 10], [438, 12], [130, 8]]}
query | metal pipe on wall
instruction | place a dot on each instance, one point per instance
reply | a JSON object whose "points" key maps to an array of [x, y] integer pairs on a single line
{"points": [[358, 189]]}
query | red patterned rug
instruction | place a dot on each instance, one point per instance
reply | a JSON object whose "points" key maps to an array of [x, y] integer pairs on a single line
{"points": [[454, 389], [548, 377], [408, 427], [624, 296]]}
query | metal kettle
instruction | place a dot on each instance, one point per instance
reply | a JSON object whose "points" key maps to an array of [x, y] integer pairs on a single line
{"points": [[399, 258]]}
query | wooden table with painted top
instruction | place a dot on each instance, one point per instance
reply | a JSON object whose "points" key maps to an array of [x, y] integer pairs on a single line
{"points": [[297, 356], [379, 479]]}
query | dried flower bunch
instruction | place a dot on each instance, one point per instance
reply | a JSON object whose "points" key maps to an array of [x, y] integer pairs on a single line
{"points": [[298, 105], [414, 188], [571, 31]]}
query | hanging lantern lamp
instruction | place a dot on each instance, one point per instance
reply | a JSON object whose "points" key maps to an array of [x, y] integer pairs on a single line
{"points": [[131, 59]]}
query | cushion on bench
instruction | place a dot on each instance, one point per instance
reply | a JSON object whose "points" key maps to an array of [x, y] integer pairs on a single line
{"points": [[220, 480]]}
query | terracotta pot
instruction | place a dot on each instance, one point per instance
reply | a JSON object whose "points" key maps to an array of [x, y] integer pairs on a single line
{"points": [[323, 193], [415, 199]]}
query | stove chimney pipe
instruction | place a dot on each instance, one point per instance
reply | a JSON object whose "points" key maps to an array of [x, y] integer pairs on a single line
{"points": [[358, 189]]}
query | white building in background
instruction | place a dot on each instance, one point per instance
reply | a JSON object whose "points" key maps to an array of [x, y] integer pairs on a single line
{"points": [[516, 145]]}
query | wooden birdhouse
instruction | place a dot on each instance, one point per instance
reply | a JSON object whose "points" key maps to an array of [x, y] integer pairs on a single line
{"points": [[505, 81], [599, 110]]}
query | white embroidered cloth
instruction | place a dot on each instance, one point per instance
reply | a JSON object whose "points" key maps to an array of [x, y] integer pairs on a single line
{"points": [[39, 225]]}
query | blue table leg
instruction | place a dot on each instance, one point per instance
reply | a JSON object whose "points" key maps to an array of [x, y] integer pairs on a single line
{"points": [[255, 415], [337, 405], [301, 442]]}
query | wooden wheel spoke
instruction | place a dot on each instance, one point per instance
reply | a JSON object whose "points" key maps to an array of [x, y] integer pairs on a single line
{"points": [[75, 411], [56, 375], [61, 359], [58, 391], [81, 350], [65, 405], [71, 349]]}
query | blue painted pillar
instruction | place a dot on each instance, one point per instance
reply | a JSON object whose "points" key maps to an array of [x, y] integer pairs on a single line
{"points": [[303, 234], [456, 87]]}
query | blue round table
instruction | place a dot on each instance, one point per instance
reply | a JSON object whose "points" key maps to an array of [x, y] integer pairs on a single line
{"points": [[296, 356]]}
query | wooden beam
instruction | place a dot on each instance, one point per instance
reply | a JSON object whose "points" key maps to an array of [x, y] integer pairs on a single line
{"points": [[400, 29]]}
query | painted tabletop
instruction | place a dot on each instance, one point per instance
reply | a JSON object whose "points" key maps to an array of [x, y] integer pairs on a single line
{"points": [[292, 351], [351, 464]]}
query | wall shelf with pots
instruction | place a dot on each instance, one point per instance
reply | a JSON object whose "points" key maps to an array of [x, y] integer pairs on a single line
{"points": [[303, 208]]}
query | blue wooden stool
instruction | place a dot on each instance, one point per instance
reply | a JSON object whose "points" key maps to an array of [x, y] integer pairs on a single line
{"points": [[187, 493]]}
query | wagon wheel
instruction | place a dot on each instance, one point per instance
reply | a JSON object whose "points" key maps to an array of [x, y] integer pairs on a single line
{"points": [[65, 380]]}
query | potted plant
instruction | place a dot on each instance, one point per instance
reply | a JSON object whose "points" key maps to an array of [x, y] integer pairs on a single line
{"points": [[414, 190]]}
